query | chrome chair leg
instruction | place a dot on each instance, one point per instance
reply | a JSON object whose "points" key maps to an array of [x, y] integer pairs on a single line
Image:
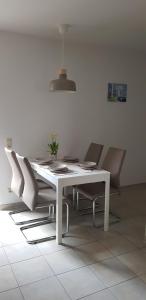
{"points": [[94, 204], [77, 200], [44, 223], [36, 225], [11, 213], [49, 210], [67, 217], [53, 211], [94, 213], [27, 221], [87, 210], [74, 196]]}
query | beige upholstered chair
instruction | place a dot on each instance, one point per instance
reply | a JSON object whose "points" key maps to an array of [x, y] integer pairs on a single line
{"points": [[17, 182], [35, 199], [94, 191], [93, 154]]}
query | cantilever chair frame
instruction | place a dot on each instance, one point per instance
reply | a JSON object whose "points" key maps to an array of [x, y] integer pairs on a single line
{"points": [[52, 220], [116, 182], [24, 163], [93, 154], [94, 206], [18, 189], [16, 172]]}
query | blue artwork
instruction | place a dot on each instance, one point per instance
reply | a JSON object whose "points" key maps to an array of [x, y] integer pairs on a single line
{"points": [[117, 92]]}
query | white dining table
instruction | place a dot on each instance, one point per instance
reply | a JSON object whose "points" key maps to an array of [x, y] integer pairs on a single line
{"points": [[75, 177]]}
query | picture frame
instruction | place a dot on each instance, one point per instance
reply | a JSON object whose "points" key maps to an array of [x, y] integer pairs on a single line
{"points": [[117, 92]]}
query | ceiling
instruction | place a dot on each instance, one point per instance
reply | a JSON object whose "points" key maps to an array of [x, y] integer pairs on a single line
{"points": [[104, 22]]}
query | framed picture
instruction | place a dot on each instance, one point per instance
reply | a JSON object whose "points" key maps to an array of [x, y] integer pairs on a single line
{"points": [[117, 92]]}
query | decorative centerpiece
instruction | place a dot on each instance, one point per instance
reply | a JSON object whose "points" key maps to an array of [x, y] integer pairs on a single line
{"points": [[53, 146]]}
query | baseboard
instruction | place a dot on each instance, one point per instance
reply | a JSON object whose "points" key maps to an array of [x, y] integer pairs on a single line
{"points": [[133, 186]]}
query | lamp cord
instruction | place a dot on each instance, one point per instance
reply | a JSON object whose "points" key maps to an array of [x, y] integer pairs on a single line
{"points": [[63, 51]]}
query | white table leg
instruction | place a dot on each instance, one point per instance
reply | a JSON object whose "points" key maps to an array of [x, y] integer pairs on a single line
{"points": [[106, 208], [58, 214]]}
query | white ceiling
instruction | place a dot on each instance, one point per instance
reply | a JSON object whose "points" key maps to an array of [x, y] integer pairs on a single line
{"points": [[114, 22]]}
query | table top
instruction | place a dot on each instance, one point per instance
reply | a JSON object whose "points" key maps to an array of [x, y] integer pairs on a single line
{"points": [[77, 175]]}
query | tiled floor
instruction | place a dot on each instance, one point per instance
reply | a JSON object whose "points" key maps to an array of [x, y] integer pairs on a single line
{"points": [[89, 265]]}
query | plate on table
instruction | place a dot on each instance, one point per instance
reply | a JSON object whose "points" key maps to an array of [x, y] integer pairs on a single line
{"points": [[35, 159], [88, 165], [46, 162], [41, 161], [70, 159], [59, 168]]}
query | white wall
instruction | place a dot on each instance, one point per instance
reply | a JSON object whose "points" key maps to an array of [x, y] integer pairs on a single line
{"points": [[28, 112]]}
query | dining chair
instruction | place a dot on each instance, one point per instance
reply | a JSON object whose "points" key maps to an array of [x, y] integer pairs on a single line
{"points": [[35, 199], [17, 183], [113, 163], [93, 154]]}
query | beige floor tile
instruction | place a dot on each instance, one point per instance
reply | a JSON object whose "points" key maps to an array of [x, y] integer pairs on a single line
{"points": [[135, 260], [11, 295], [96, 251], [102, 295], [3, 258], [7, 279], [22, 251], [5, 219], [31, 270], [11, 236], [112, 271], [66, 260], [143, 277], [48, 289], [123, 226], [50, 247], [82, 246], [138, 239], [130, 290], [118, 245], [139, 221], [78, 238], [39, 232], [28, 215], [80, 283]]}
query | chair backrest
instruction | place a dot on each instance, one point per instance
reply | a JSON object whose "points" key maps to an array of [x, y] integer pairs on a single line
{"points": [[113, 163], [17, 182], [30, 192], [94, 153]]}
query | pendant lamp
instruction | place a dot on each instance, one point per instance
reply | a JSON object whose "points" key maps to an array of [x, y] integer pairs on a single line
{"points": [[62, 83]]}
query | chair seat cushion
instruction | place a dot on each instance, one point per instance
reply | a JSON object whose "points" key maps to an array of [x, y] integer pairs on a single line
{"points": [[42, 185], [94, 190], [47, 197]]}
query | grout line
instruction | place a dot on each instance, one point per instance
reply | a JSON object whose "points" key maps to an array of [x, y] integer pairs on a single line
{"points": [[8, 290], [49, 265], [28, 284], [21, 293], [16, 281], [35, 281], [76, 250], [81, 267], [74, 269], [63, 287], [98, 292], [18, 261]]}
